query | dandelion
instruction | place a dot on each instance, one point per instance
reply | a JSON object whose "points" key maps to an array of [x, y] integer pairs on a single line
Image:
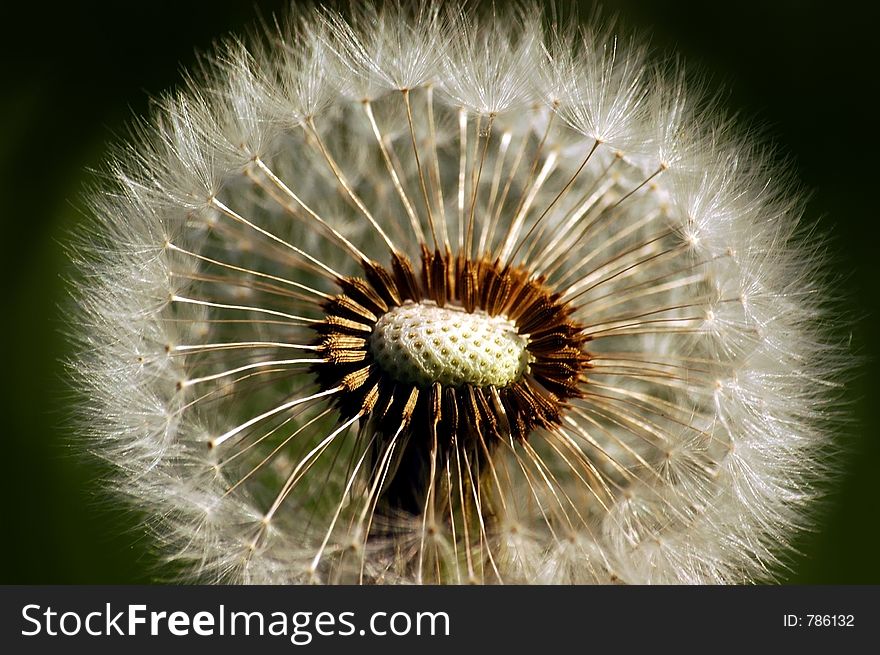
{"points": [[427, 295]]}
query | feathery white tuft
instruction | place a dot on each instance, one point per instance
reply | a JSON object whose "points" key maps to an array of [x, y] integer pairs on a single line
{"points": [[690, 455]]}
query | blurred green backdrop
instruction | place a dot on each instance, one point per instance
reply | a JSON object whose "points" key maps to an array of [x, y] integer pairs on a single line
{"points": [[74, 74]]}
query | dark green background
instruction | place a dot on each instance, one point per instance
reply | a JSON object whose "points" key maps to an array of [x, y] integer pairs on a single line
{"points": [[72, 76]]}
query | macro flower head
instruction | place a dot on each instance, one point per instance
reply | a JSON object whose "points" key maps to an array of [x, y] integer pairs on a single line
{"points": [[439, 295]]}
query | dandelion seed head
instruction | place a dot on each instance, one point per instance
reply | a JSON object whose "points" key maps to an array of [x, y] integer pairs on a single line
{"points": [[419, 294]]}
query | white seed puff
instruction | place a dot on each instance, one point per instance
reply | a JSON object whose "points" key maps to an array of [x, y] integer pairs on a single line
{"points": [[436, 295]]}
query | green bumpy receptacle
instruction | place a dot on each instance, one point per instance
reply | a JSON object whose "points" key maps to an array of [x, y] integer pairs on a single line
{"points": [[421, 343]]}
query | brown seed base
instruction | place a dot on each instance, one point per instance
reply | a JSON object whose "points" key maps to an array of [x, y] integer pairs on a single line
{"points": [[437, 422]]}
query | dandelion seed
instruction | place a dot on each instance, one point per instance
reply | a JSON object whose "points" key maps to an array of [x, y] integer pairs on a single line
{"points": [[420, 295]]}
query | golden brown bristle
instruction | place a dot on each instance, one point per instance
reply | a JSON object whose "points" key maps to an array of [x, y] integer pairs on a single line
{"points": [[467, 418]]}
